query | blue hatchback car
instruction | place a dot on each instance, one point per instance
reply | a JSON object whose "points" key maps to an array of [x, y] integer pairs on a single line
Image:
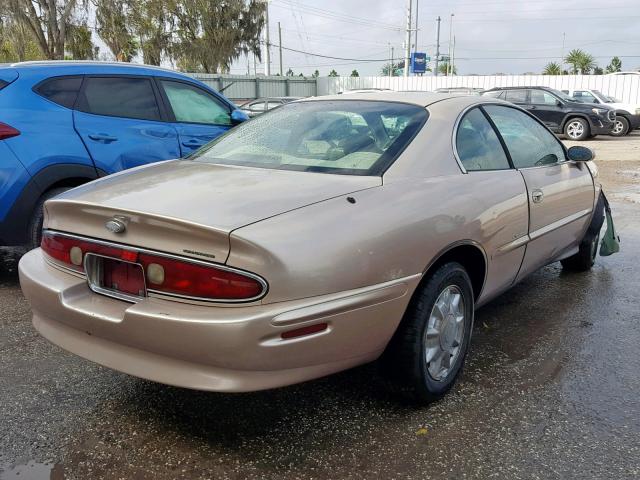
{"points": [[65, 123]]}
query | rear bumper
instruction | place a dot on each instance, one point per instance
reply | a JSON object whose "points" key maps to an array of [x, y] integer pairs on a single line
{"points": [[219, 348]]}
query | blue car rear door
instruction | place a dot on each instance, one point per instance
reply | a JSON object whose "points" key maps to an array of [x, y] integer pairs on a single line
{"points": [[122, 122], [198, 115]]}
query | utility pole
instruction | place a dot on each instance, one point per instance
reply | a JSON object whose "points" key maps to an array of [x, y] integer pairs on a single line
{"points": [[415, 41], [435, 73], [280, 46], [450, 46], [267, 56], [564, 35], [453, 56], [392, 59], [407, 47]]}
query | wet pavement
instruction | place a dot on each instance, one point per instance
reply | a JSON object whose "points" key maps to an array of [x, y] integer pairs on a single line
{"points": [[551, 389]]}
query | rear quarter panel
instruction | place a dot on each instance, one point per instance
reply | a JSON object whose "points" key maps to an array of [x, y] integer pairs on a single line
{"points": [[46, 129], [390, 232]]}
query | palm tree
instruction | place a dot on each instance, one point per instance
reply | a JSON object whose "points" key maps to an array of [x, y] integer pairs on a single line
{"points": [[552, 68], [580, 61], [443, 69]]}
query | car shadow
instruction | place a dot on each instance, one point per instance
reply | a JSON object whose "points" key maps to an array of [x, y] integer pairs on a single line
{"points": [[9, 258]]}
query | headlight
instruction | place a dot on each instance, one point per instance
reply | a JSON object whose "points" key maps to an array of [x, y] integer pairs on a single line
{"points": [[599, 111]]}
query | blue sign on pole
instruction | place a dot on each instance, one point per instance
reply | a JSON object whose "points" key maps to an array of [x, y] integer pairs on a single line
{"points": [[419, 62]]}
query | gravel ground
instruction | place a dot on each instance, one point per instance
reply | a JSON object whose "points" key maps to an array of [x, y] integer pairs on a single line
{"points": [[550, 390]]}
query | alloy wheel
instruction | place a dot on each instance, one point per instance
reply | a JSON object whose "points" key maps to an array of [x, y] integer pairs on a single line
{"points": [[618, 127], [575, 130], [445, 331]]}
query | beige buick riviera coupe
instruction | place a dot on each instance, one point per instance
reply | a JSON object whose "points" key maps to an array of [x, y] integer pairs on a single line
{"points": [[324, 234]]}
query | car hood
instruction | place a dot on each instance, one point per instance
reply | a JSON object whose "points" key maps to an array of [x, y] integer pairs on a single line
{"points": [[173, 204]]}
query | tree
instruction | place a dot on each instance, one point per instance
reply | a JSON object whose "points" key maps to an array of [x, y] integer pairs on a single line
{"points": [[115, 29], [47, 20], [552, 68], [443, 69], [79, 44], [598, 71], [394, 68], [152, 24], [355, 73], [211, 35], [316, 74], [615, 65], [333, 73], [17, 43], [581, 62], [289, 73], [301, 74]]}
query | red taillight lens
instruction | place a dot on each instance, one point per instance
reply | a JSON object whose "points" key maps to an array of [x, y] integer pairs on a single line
{"points": [[164, 274], [202, 281], [7, 131]]}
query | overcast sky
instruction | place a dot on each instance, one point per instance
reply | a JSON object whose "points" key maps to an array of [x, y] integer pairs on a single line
{"points": [[491, 36]]}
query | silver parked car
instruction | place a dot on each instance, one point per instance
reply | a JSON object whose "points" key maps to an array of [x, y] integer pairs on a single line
{"points": [[261, 105], [325, 234]]}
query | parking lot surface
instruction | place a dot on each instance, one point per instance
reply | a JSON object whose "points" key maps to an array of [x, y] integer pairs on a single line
{"points": [[550, 390]]}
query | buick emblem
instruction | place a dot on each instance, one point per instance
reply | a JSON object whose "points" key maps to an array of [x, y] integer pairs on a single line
{"points": [[115, 225]]}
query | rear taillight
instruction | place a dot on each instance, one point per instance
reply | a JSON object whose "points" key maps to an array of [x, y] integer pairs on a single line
{"points": [[7, 131], [164, 274]]}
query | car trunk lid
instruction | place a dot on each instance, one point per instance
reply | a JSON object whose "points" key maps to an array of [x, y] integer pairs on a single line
{"points": [[189, 208]]}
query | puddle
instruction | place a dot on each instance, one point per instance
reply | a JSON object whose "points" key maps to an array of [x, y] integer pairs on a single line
{"points": [[32, 470]]}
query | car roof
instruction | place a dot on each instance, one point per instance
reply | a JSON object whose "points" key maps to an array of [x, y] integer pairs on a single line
{"points": [[536, 87], [79, 67], [422, 99]]}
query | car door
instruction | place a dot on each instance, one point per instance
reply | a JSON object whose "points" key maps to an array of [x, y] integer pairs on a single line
{"points": [[120, 122], [560, 192], [197, 115], [548, 108], [482, 156]]}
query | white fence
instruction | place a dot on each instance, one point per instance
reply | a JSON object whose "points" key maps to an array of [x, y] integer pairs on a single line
{"points": [[624, 87]]}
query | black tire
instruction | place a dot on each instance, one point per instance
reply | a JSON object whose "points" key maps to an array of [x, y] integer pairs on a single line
{"points": [[588, 249], [621, 127], [35, 224], [404, 363], [572, 125]]}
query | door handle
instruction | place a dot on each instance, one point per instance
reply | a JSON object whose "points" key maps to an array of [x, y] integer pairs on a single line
{"points": [[531, 107], [102, 137], [537, 196], [193, 144]]}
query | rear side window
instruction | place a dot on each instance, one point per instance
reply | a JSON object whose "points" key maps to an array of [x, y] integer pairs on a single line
{"points": [[516, 96], [3, 84], [120, 97], [60, 90], [478, 145]]}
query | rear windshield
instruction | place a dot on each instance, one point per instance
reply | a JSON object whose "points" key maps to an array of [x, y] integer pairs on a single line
{"points": [[349, 137]]}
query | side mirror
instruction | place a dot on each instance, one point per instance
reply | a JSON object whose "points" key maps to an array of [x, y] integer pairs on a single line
{"points": [[580, 154], [559, 103], [238, 116]]}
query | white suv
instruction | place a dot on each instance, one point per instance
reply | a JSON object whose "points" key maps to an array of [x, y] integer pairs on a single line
{"points": [[627, 114]]}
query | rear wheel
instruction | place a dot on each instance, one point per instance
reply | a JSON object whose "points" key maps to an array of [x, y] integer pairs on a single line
{"points": [[428, 350], [35, 225], [621, 127], [577, 129]]}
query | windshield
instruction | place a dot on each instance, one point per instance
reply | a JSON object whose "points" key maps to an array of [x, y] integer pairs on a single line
{"points": [[340, 136]]}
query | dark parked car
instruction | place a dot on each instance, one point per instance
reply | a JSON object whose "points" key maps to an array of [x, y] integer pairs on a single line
{"points": [[559, 112], [261, 105], [67, 123]]}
